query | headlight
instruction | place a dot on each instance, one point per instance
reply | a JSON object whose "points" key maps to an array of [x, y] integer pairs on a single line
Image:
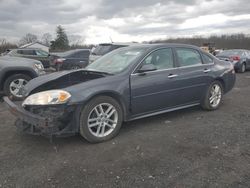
{"points": [[47, 98], [38, 67]]}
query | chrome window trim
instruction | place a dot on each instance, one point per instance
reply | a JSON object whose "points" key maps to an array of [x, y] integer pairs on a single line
{"points": [[174, 68]]}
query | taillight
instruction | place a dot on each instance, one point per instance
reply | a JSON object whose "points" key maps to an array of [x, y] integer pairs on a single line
{"points": [[59, 61], [235, 58]]}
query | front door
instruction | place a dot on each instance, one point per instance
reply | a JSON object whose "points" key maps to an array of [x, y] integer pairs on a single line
{"points": [[155, 90]]}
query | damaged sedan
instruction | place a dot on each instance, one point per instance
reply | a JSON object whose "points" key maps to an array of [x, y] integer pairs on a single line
{"points": [[126, 84]]}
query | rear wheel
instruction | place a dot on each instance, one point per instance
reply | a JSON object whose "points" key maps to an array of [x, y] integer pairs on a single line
{"points": [[213, 96], [243, 68], [100, 119], [14, 84]]}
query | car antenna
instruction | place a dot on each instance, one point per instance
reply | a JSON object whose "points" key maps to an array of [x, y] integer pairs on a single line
{"points": [[111, 39]]}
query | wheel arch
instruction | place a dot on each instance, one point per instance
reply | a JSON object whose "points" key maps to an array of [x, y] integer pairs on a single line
{"points": [[115, 96], [221, 80], [13, 72]]}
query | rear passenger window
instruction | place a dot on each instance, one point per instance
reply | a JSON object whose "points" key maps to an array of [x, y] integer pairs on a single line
{"points": [[29, 52], [207, 59], [188, 57], [161, 59], [20, 51]]}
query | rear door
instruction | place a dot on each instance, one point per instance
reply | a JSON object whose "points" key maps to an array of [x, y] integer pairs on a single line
{"points": [[195, 73]]}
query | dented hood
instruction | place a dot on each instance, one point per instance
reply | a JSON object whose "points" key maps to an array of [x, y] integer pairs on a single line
{"points": [[60, 80]]}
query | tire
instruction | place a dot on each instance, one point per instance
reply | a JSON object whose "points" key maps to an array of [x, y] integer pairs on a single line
{"points": [[242, 68], [58, 67], [15, 80], [100, 129], [75, 67], [208, 103]]}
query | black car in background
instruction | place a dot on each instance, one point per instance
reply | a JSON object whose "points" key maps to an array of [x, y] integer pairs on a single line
{"points": [[104, 48], [33, 53], [73, 59], [126, 84], [240, 58]]}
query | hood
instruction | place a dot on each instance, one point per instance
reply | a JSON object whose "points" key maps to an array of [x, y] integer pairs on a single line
{"points": [[16, 61], [60, 80]]}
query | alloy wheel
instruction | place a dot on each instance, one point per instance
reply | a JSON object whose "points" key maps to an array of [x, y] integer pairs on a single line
{"points": [[102, 120], [16, 86], [243, 67], [215, 95]]}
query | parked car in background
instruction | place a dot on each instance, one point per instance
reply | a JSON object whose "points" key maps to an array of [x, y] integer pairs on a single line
{"points": [[33, 53], [124, 85], [104, 48], [73, 59], [15, 73], [239, 58]]}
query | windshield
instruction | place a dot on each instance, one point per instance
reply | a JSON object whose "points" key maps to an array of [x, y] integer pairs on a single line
{"points": [[230, 53], [116, 61]]}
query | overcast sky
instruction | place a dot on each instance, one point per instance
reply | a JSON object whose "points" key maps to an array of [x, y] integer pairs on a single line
{"points": [[124, 20]]}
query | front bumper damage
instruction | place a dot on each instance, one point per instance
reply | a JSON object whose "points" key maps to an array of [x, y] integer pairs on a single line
{"points": [[48, 121]]}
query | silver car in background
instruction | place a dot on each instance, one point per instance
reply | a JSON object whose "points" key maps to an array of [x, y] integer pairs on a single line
{"points": [[104, 48]]}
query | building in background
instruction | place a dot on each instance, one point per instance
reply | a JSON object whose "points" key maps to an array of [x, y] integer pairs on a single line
{"points": [[36, 45]]}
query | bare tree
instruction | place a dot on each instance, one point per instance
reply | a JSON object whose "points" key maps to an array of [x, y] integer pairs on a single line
{"points": [[46, 39], [5, 45], [75, 40], [28, 38]]}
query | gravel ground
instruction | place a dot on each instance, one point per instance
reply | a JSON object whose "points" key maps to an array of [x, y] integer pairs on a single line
{"points": [[186, 148]]}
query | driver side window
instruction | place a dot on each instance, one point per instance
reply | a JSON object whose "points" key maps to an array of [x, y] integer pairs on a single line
{"points": [[161, 59]]}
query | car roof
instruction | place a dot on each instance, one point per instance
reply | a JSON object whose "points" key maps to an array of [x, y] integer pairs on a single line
{"points": [[118, 44], [162, 45], [28, 49], [236, 50]]}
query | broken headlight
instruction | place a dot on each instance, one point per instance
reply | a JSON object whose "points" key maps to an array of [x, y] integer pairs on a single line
{"points": [[47, 98]]}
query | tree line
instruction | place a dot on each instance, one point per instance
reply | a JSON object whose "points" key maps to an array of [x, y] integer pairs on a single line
{"points": [[63, 42], [232, 41]]}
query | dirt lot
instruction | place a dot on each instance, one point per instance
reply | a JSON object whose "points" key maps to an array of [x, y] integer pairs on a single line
{"points": [[188, 148]]}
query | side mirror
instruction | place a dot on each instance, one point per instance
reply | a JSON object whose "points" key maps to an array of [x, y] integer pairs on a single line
{"points": [[147, 68]]}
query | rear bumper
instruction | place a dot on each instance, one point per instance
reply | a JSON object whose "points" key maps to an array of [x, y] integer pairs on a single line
{"points": [[58, 124]]}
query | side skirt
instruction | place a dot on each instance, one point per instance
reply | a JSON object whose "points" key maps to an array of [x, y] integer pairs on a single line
{"points": [[140, 116]]}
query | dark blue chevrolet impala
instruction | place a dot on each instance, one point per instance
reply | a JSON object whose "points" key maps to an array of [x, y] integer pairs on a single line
{"points": [[124, 85]]}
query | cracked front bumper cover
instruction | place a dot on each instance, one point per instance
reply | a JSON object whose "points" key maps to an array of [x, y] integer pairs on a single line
{"points": [[37, 125]]}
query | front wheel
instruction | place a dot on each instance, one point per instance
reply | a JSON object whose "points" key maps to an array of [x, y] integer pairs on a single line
{"points": [[213, 96], [14, 84], [100, 119]]}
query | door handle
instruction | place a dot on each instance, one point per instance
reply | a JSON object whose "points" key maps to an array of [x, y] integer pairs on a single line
{"points": [[172, 76], [206, 70]]}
